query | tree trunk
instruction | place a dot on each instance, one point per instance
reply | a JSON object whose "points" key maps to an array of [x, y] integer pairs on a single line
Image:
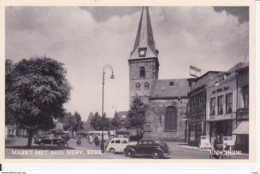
{"points": [[30, 136]]}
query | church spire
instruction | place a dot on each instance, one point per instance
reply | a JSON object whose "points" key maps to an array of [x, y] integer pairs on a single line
{"points": [[144, 46]]}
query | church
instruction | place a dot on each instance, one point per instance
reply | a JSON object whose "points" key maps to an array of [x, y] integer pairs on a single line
{"points": [[166, 99]]}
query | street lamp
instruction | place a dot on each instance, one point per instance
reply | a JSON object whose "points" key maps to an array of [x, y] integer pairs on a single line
{"points": [[102, 119]]}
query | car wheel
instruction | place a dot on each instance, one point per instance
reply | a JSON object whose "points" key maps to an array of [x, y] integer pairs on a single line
{"points": [[112, 150], [41, 144], [129, 153], [156, 155]]}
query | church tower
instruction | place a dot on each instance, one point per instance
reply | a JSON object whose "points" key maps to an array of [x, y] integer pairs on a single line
{"points": [[143, 61]]}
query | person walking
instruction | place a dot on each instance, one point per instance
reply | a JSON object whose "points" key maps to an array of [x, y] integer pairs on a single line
{"points": [[79, 140], [217, 147]]}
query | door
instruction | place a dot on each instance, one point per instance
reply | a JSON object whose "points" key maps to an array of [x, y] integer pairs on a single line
{"points": [[140, 148], [124, 143], [144, 149], [117, 145], [150, 147]]}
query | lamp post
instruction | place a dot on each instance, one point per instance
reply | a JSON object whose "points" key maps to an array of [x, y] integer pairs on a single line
{"points": [[102, 116]]}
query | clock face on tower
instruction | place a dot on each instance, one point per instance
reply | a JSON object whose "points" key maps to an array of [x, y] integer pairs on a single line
{"points": [[142, 52]]}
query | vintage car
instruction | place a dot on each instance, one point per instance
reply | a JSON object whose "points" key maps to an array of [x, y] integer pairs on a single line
{"points": [[51, 139], [117, 145], [156, 148]]}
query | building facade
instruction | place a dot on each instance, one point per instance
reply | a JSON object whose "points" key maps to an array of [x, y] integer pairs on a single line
{"points": [[215, 103], [166, 99], [197, 107], [221, 107], [166, 112], [242, 112]]}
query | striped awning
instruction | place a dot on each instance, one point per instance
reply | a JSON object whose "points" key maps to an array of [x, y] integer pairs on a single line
{"points": [[242, 129]]}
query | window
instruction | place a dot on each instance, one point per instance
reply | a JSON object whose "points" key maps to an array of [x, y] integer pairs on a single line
{"points": [[170, 119], [171, 83], [138, 86], [140, 143], [220, 105], [245, 91], [229, 103], [212, 106], [117, 142], [112, 141], [150, 143], [124, 142], [146, 86], [142, 72], [145, 143]]}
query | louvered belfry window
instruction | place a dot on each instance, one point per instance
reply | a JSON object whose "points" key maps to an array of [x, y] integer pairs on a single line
{"points": [[142, 72]]}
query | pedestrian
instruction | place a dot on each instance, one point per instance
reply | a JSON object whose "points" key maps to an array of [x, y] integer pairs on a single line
{"points": [[217, 146], [96, 141], [90, 139], [79, 140]]}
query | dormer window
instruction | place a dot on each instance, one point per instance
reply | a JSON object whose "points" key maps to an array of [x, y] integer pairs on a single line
{"points": [[142, 72], [171, 83]]}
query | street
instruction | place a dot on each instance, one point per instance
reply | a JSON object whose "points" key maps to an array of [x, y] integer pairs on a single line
{"points": [[18, 150]]}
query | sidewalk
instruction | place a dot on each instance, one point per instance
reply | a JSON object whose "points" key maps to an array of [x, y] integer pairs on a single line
{"points": [[187, 146]]}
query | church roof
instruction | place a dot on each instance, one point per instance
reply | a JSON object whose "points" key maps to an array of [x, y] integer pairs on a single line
{"points": [[170, 88], [144, 38]]}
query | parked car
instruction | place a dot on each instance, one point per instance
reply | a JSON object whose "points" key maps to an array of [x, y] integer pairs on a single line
{"points": [[156, 148], [52, 139], [117, 145]]}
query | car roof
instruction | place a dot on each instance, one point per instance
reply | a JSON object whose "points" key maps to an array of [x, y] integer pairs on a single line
{"points": [[116, 138], [151, 139]]}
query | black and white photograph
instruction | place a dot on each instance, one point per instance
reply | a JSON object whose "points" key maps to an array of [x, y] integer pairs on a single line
{"points": [[127, 82]]}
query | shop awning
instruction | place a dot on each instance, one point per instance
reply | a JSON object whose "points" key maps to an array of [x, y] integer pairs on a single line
{"points": [[243, 128]]}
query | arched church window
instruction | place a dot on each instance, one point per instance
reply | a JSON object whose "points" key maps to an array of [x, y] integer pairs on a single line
{"points": [[170, 119], [146, 86], [142, 72], [138, 86]]}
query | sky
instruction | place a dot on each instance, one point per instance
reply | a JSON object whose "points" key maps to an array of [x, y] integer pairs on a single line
{"points": [[86, 39]]}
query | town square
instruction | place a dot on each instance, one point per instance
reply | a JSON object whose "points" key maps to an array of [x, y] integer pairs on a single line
{"points": [[127, 83]]}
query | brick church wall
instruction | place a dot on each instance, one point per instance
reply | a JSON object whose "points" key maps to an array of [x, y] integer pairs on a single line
{"points": [[155, 118]]}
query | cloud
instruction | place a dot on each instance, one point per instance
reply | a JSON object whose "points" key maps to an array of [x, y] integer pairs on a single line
{"points": [[104, 13], [241, 12], [86, 40]]}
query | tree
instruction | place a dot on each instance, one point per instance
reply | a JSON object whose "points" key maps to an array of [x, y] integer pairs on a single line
{"points": [[39, 90], [67, 121], [136, 115], [96, 122], [9, 118], [116, 122], [72, 122], [77, 122], [106, 123], [100, 123], [90, 117]]}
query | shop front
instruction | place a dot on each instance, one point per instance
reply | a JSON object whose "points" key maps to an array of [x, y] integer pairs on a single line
{"points": [[221, 128], [195, 132], [242, 136]]}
